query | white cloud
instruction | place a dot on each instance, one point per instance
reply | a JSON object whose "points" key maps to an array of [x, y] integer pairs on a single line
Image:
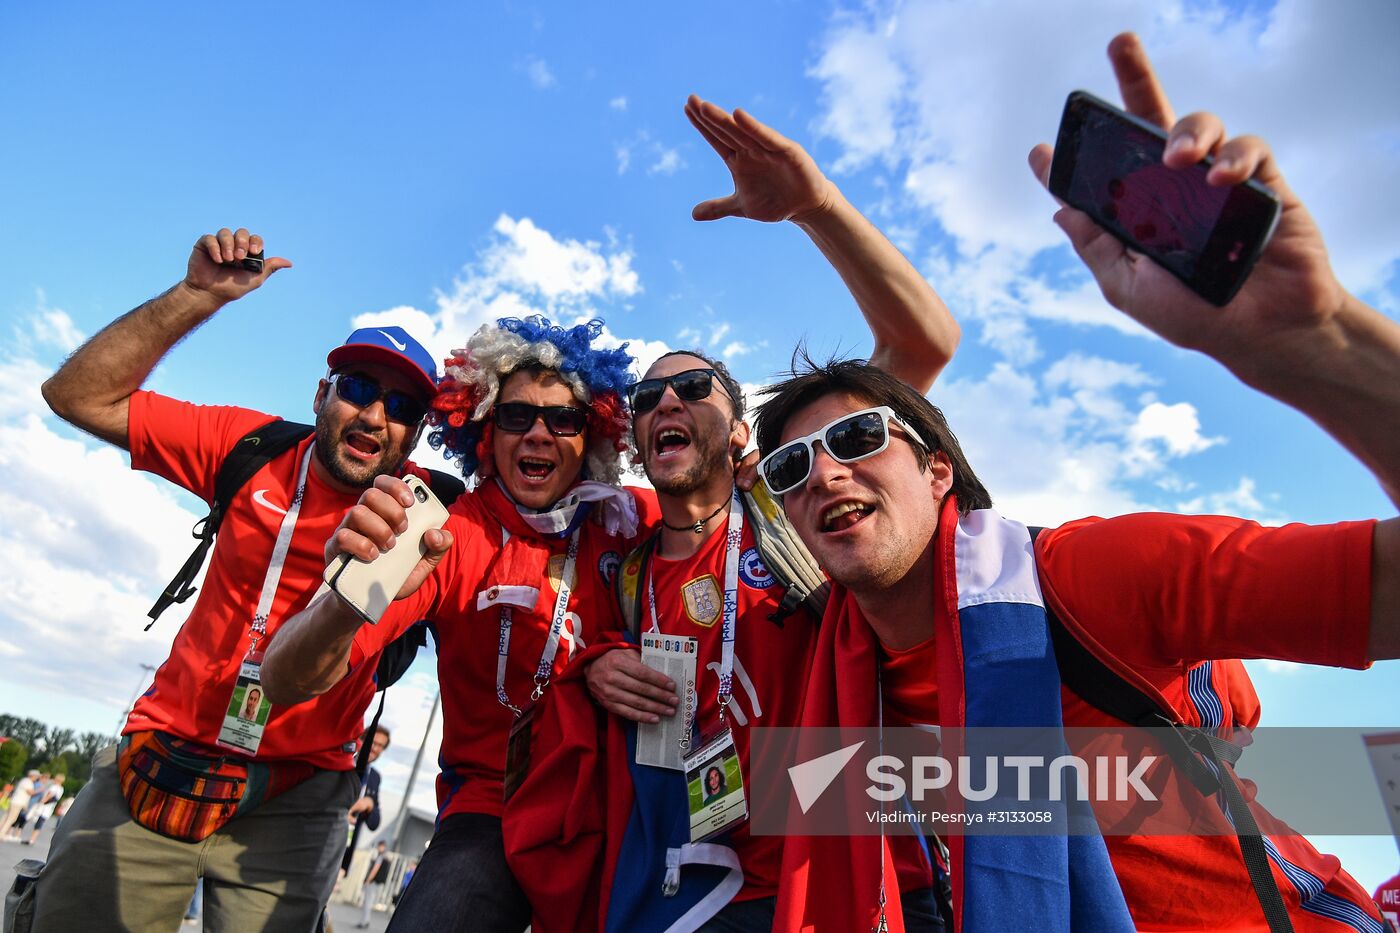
{"points": [[537, 70], [89, 544], [618, 103], [660, 159], [1077, 441], [668, 162]]}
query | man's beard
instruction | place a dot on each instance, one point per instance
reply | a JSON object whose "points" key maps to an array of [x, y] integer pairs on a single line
{"points": [[348, 472], [711, 457]]}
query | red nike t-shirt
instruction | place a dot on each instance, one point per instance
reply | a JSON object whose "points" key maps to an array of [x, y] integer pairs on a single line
{"points": [[190, 693], [475, 725], [770, 664], [1232, 589]]}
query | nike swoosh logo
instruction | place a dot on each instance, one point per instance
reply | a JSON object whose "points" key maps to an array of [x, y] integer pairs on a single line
{"points": [[260, 497], [402, 346]]}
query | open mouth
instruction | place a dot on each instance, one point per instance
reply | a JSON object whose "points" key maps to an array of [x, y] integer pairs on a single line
{"points": [[362, 445], [845, 515], [533, 468], [670, 441]]}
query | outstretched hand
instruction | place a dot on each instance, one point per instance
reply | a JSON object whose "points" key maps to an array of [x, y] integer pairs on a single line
{"points": [[774, 178], [207, 273], [1292, 290]]}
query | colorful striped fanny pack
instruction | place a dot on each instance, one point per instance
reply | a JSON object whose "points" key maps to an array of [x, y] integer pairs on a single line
{"points": [[176, 788]]}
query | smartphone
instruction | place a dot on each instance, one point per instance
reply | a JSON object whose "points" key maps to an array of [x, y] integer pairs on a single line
{"points": [[253, 262], [369, 587], [1108, 164]]}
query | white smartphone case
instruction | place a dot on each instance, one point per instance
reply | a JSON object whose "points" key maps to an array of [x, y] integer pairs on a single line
{"points": [[369, 587]]}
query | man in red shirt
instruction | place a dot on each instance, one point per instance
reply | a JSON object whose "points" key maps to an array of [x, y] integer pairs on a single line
{"points": [[879, 490], [132, 849]]}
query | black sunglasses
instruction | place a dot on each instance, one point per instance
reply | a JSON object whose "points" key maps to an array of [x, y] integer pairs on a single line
{"points": [[362, 391], [519, 417], [690, 386], [849, 439]]}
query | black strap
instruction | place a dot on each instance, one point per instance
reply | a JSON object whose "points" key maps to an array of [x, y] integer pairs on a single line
{"points": [[1189, 748], [250, 454], [362, 759]]}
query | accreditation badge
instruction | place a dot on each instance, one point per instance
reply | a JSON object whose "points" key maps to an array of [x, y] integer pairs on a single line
{"points": [[518, 750], [248, 709], [715, 787]]}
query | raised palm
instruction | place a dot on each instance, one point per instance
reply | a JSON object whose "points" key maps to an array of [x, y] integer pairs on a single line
{"points": [[774, 178]]}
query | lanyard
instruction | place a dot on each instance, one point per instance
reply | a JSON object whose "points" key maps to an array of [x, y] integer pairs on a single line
{"points": [[545, 668], [258, 629], [733, 537]]}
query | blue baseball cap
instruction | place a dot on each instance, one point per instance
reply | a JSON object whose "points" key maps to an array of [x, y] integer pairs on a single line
{"points": [[388, 346]]}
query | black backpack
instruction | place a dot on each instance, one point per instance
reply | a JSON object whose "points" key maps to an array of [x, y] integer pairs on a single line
{"points": [[252, 452]]}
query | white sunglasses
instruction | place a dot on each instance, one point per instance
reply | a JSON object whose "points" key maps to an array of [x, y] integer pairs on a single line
{"points": [[848, 439]]}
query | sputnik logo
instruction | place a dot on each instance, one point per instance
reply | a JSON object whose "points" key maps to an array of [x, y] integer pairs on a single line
{"points": [[810, 779]]}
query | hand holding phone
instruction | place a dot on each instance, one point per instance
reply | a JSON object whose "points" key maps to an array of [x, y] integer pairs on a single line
{"points": [[370, 586], [1108, 164]]}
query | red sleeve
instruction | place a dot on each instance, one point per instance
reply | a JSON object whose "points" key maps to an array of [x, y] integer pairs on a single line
{"points": [[185, 443], [1158, 590]]}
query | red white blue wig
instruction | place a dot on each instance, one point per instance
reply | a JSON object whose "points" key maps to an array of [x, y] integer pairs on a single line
{"points": [[599, 377]]}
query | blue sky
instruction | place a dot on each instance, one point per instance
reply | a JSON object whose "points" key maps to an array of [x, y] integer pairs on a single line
{"points": [[439, 164]]}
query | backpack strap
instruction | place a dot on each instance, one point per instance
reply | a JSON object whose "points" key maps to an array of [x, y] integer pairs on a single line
{"points": [[251, 453], [1206, 759], [630, 581]]}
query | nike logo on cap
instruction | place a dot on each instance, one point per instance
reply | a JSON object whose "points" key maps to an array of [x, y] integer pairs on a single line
{"points": [[260, 497], [401, 346]]}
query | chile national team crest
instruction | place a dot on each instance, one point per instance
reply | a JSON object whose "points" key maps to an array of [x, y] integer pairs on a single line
{"points": [[703, 601], [753, 571], [607, 566]]}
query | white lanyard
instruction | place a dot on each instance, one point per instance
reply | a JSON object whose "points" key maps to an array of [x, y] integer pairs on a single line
{"points": [[733, 537], [279, 556], [545, 668]]}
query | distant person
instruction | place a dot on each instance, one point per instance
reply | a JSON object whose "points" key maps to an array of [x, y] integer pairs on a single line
{"points": [[284, 840], [364, 813], [1387, 898], [41, 812], [375, 879], [19, 802]]}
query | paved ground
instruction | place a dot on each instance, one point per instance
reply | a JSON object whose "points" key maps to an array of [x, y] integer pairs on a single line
{"points": [[343, 916]]}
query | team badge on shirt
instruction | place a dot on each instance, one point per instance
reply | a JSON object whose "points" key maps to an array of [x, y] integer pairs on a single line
{"points": [[703, 601], [556, 570], [608, 564], [753, 571]]}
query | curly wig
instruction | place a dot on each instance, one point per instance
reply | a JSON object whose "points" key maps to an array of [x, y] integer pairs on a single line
{"points": [[460, 416]]}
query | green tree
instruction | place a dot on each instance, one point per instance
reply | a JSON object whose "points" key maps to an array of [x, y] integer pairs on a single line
{"points": [[13, 756], [30, 732], [89, 744], [58, 741]]}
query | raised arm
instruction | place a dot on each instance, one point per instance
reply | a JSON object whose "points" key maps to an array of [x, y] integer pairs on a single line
{"points": [[92, 389], [775, 180], [310, 652], [1291, 332]]}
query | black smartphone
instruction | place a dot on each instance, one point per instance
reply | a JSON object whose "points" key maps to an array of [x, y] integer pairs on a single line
{"points": [[253, 262], [1108, 164]]}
